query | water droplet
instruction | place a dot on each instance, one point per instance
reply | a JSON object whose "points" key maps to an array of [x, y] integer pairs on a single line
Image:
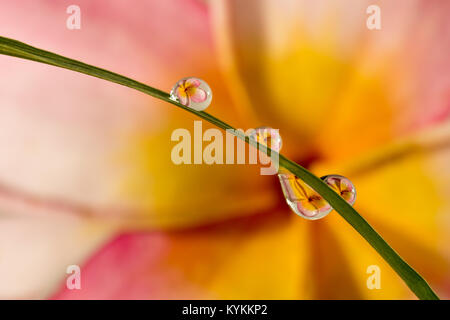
{"points": [[302, 199], [343, 186], [193, 93], [268, 137]]}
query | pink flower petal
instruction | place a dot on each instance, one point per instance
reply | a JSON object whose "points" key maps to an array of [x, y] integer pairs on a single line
{"points": [[199, 95], [193, 82], [184, 100]]}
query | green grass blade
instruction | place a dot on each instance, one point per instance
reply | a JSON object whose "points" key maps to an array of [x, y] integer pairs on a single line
{"points": [[414, 281]]}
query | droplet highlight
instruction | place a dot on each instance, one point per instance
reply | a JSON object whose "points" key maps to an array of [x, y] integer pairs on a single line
{"points": [[302, 199], [343, 186], [267, 136], [193, 93]]}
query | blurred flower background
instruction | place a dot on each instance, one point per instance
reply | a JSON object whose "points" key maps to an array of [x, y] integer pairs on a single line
{"points": [[85, 170]]}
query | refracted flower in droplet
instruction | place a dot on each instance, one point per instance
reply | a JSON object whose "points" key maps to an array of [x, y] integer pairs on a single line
{"points": [[193, 93], [267, 136], [343, 186], [302, 199]]}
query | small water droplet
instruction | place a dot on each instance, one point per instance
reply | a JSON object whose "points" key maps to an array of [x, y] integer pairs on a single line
{"points": [[302, 199], [343, 186], [267, 136], [193, 93]]}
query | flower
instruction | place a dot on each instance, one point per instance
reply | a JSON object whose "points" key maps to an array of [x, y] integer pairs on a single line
{"points": [[342, 186], [303, 199], [188, 90], [346, 99]]}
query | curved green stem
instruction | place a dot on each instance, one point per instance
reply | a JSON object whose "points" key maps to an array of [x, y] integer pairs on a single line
{"points": [[414, 281]]}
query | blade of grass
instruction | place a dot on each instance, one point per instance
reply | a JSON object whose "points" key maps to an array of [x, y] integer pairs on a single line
{"points": [[413, 279]]}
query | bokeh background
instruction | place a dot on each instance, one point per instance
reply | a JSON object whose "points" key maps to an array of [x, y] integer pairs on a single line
{"points": [[86, 177]]}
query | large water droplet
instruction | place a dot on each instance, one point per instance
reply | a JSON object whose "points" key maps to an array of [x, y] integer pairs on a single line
{"points": [[302, 199], [192, 92], [267, 136], [343, 186]]}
